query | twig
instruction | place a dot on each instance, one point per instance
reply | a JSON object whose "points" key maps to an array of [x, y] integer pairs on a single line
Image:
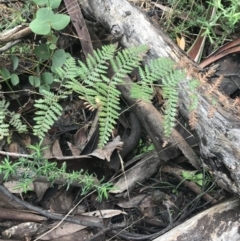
{"points": [[48, 213]]}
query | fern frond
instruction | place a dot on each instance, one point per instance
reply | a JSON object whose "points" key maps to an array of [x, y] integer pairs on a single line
{"points": [[48, 111], [126, 60], [215, 85], [193, 119], [4, 127], [17, 123], [69, 69], [85, 92], [4, 130], [171, 105], [96, 65], [141, 91], [193, 84], [194, 102], [108, 110], [15, 120]]}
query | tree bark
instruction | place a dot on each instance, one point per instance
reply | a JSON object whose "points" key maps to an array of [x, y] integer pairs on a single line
{"points": [[220, 222], [219, 137]]}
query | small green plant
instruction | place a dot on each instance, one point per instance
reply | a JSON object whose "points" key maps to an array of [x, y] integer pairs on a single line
{"points": [[101, 92], [46, 23], [8, 118], [29, 169], [195, 177], [46, 19], [187, 16], [91, 83]]}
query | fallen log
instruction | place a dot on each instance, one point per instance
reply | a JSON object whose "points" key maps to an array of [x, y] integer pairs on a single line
{"points": [[218, 136], [220, 222]]}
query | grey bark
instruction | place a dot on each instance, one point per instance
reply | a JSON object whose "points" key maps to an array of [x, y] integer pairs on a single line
{"points": [[219, 223], [218, 137]]}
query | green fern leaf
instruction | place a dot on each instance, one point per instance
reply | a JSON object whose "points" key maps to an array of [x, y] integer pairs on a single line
{"points": [[4, 127], [108, 111], [96, 65], [4, 130], [141, 91], [16, 122], [48, 111], [126, 60], [69, 69]]}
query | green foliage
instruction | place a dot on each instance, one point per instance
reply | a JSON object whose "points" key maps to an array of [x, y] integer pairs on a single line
{"points": [[91, 83], [201, 179], [170, 93], [6, 76], [28, 170], [197, 178], [186, 16], [161, 69], [48, 111], [8, 118], [46, 19]]}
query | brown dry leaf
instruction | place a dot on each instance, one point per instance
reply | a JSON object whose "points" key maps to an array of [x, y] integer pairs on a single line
{"points": [[80, 138], [62, 200], [107, 213], [81, 235], [63, 230], [56, 149], [40, 188], [107, 151], [142, 201], [181, 42], [13, 147], [47, 153], [144, 170], [74, 149], [135, 201]]}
